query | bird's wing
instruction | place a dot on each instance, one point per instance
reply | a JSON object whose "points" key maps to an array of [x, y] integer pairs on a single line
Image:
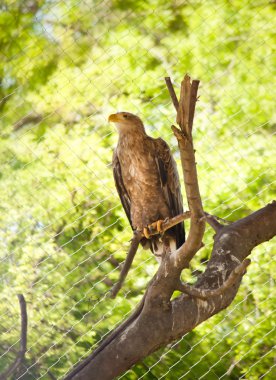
{"points": [[117, 173], [170, 184]]}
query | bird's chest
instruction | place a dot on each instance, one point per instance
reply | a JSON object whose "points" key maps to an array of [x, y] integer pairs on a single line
{"points": [[138, 164], [140, 175]]}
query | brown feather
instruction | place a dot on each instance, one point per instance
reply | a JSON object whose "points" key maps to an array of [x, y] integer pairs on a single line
{"points": [[146, 179]]}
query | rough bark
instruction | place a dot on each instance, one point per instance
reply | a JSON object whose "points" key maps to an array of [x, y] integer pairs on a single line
{"points": [[158, 320]]}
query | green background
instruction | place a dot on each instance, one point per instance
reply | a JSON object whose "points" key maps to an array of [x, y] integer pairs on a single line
{"points": [[64, 67]]}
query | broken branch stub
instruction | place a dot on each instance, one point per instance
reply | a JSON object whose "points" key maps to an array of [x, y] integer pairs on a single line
{"points": [[183, 114], [172, 93], [193, 100]]}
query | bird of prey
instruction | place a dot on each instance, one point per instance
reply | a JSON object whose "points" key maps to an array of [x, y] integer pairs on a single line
{"points": [[147, 182]]}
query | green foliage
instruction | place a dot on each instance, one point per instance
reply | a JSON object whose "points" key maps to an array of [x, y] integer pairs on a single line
{"points": [[62, 228]]}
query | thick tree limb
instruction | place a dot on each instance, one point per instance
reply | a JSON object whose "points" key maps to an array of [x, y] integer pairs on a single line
{"points": [[115, 333], [23, 341], [153, 327]]}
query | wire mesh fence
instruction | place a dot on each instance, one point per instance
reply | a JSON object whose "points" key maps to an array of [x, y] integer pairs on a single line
{"points": [[65, 66]]}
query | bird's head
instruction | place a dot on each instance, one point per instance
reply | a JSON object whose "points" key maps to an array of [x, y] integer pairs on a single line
{"points": [[127, 122]]}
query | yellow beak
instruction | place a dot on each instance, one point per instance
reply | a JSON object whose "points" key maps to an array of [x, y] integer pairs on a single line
{"points": [[114, 118]]}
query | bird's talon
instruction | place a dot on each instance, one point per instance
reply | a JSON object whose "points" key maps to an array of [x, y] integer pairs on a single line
{"points": [[153, 228], [159, 226], [146, 232]]}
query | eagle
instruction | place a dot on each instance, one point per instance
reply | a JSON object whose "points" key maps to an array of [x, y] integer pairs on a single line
{"points": [[147, 182]]}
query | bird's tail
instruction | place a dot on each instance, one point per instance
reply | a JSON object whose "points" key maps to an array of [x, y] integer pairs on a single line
{"points": [[157, 246]]}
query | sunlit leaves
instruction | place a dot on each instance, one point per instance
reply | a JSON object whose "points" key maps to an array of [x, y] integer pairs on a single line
{"points": [[62, 229]]}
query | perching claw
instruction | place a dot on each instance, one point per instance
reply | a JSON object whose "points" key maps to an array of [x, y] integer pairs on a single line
{"points": [[146, 232], [154, 228]]}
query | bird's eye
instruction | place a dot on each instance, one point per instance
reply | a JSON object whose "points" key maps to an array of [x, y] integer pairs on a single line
{"points": [[125, 116]]}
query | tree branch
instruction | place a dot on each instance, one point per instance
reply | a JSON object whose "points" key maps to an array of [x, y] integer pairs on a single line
{"points": [[23, 340], [193, 100], [213, 222], [172, 93], [203, 294], [31, 118], [137, 236], [168, 223]]}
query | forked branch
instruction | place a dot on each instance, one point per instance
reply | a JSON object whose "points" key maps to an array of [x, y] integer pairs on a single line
{"points": [[185, 117]]}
